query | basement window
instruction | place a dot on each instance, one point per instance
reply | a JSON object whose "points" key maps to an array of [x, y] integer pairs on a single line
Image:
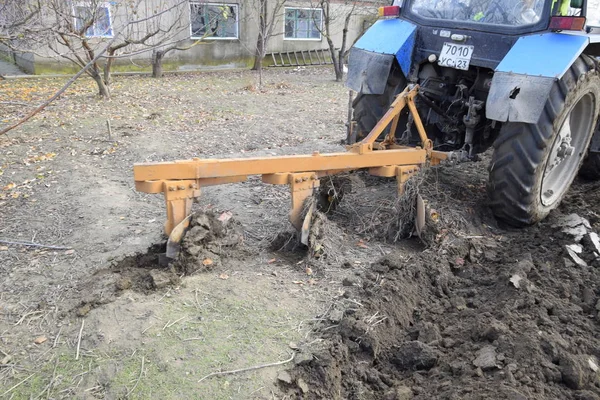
{"points": [[303, 23], [96, 22], [214, 21]]}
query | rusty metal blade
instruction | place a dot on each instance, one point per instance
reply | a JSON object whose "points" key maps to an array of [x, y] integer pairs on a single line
{"points": [[173, 244], [305, 232]]}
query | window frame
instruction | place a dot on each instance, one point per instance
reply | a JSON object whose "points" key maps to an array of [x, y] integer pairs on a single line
{"points": [[93, 26], [320, 38], [237, 21]]}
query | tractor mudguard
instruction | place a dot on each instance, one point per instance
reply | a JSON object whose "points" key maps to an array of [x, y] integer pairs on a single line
{"points": [[372, 56], [524, 78]]}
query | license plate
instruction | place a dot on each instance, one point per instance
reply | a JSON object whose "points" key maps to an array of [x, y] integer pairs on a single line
{"points": [[456, 56]]}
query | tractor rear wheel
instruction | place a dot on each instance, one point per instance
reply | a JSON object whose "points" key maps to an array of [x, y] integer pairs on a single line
{"points": [[533, 165], [369, 108]]}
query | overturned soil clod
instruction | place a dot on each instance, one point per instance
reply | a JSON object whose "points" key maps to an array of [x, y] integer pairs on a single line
{"points": [[210, 237]]}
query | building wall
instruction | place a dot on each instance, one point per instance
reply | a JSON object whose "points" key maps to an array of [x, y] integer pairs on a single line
{"points": [[209, 53]]}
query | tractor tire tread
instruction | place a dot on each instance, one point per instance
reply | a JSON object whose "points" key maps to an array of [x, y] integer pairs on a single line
{"points": [[520, 149]]}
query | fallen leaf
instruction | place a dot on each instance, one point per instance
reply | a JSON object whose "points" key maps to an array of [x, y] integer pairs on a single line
{"points": [[9, 186], [207, 262], [308, 271], [40, 340], [298, 282], [362, 244], [16, 195], [271, 261], [68, 252], [226, 216], [3, 248], [224, 276]]}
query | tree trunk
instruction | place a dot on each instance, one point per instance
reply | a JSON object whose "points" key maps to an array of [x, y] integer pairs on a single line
{"points": [[108, 67], [257, 61], [262, 36], [339, 72], [342, 52], [103, 90], [157, 57]]}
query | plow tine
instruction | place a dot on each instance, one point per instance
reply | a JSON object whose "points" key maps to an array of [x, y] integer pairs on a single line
{"points": [[306, 225], [174, 242], [420, 217]]}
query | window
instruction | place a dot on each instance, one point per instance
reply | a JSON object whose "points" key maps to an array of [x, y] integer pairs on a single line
{"points": [[303, 23], [98, 22], [218, 21], [593, 13]]}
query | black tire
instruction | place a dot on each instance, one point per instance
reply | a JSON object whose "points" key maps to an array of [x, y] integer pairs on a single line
{"points": [[531, 168], [369, 108]]}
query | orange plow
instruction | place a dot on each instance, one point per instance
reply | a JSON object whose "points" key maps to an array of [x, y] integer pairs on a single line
{"points": [[181, 181]]}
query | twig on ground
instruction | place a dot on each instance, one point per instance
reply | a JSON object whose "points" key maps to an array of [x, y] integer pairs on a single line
{"points": [[27, 315], [170, 324], [17, 385], [192, 338], [14, 103], [79, 339], [165, 295], [30, 244], [354, 301], [144, 331], [109, 129], [235, 371], [138, 379], [56, 338]]}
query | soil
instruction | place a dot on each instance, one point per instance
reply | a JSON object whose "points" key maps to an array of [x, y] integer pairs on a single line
{"points": [[487, 312], [474, 309]]}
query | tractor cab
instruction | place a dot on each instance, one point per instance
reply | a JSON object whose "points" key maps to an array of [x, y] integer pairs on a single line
{"points": [[509, 16]]}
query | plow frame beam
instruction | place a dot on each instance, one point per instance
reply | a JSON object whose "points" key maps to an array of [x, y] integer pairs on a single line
{"points": [[181, 181]]}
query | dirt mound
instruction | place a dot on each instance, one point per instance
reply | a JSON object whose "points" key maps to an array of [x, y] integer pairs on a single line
{"points": [[210, 237], [486, 313]]}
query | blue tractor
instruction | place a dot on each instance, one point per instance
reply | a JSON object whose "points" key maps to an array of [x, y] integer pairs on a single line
{"points": [[521, 76]]}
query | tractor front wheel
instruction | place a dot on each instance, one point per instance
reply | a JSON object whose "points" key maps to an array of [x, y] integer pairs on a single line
{"points": [[533, 165]]}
